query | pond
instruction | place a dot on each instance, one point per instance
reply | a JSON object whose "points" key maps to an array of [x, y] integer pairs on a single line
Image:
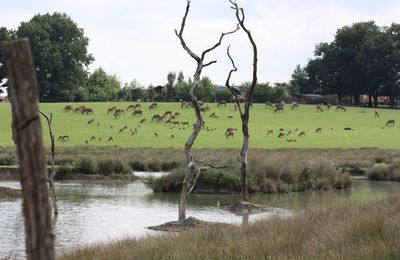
{"points": [[98, 212]]}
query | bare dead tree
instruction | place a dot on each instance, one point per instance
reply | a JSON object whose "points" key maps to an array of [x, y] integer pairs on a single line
{"points": [[52, 174], [244, 113], [194, 168], [27, 134]]}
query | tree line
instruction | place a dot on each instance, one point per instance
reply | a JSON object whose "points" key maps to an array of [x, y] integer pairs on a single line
{"points": [[363, 59]]}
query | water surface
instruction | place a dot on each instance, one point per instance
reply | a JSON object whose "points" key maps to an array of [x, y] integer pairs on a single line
{"points": [[97, 212]]}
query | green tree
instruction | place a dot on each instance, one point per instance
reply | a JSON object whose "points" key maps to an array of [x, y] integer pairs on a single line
{"points": [[60, 54], [103, 87], [5, 35], [299, 82], [171, 77], [206, 90], [132, 92]]}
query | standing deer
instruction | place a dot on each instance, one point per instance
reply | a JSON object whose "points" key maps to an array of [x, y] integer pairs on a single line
{"points": [[319, 108], [294, 105], [340, 107]]}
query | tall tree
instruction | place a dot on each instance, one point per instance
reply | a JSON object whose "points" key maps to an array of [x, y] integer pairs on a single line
{"points": [[171, 77], [244, 112], [103, 87], [194, 168], [60, 52]]}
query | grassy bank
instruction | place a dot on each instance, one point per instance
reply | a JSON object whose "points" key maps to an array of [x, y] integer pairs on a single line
{"points": [[367, 132], [369, 231]]}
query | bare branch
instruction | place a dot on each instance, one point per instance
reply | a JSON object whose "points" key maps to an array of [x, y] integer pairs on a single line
{"points": [[220, 41], [180, 34], [208, 64], [227, 83], [10, 153]]}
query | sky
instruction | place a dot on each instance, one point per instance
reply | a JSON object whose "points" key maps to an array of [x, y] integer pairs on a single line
{"points": [[135, 39]]}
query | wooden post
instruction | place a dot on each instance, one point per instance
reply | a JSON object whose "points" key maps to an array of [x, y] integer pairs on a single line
{"points": [[27, 133]]}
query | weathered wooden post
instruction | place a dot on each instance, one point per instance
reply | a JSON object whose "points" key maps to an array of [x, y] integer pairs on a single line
{"points": [[27, 134]]}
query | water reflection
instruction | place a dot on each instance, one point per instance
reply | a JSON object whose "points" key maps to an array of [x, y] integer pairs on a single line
{"points": [[96, 212]]}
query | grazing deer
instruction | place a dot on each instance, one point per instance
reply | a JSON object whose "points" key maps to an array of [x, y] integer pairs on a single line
{"points": [[111, 110], [137, 106], [98, 124], [279, 107], [281, 130], [376, 114], [229, 135], [340, 107], [328, 106], [185, 124], [268, 105], [175, 123], [130, 107], [155, 134], [110, 139], [231, 117], [212, 115], [142, 121], [111, 127], [117, 114], [86, 141], [281, 134], [68, 108], [93, 138], [294, 105], [177, 114], [318, 130], [302, 133], [319, 108], [228, 130], [270, 132], [90, 121], [172, 136], [168, 113], [291, 140], [99, 139], [155, 118], [154, 105], [288, 133], [137, 113], [390, 122], [348, 129], [121, 131]]}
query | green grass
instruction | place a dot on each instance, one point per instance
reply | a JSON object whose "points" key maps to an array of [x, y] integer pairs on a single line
{"points": [[357, 231], [368, 131]]}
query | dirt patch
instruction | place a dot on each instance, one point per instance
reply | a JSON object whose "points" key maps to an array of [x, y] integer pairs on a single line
{"points": [[244, 206], [8, 193], [186, 224]]}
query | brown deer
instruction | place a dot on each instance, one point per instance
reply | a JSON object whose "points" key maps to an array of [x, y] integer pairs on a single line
{"points": [[110, 139], [137, 112], [376, 114], [281, 134], [177, 114], [168, 113], [154, 105], [87, 111], [117, 114], [340, 107], [279, 107], [294, 105], [185, 124], [328, 106], [268, 105], [222, 103], [156, 135], [390, 122], [228, 130], [318, 130], [90, 121], [319, 108], [93, 138], [270, 132], [68, 108], [142, 121], [229, 135], [302, 133], [130, 107]]}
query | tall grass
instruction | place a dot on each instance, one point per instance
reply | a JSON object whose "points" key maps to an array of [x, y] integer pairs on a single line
{"points": [[369, 231]]}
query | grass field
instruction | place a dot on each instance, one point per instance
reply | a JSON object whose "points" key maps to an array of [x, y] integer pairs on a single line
{"points": [[368, 130]]}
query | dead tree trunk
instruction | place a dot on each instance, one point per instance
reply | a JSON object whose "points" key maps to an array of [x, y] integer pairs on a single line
{"points": [[27, 133], [244, 114], [193, 168], [52, 174]]}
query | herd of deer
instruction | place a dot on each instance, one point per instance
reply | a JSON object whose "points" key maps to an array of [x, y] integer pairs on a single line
{"points": [[171, 119]]}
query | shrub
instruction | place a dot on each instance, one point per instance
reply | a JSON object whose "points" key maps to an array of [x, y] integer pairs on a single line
{"points": [[107, 167], [154, 166], [167, 166], [7, 160], [379, 172], [137, 165], [63, 172], [229, 180], [87, 165]]}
